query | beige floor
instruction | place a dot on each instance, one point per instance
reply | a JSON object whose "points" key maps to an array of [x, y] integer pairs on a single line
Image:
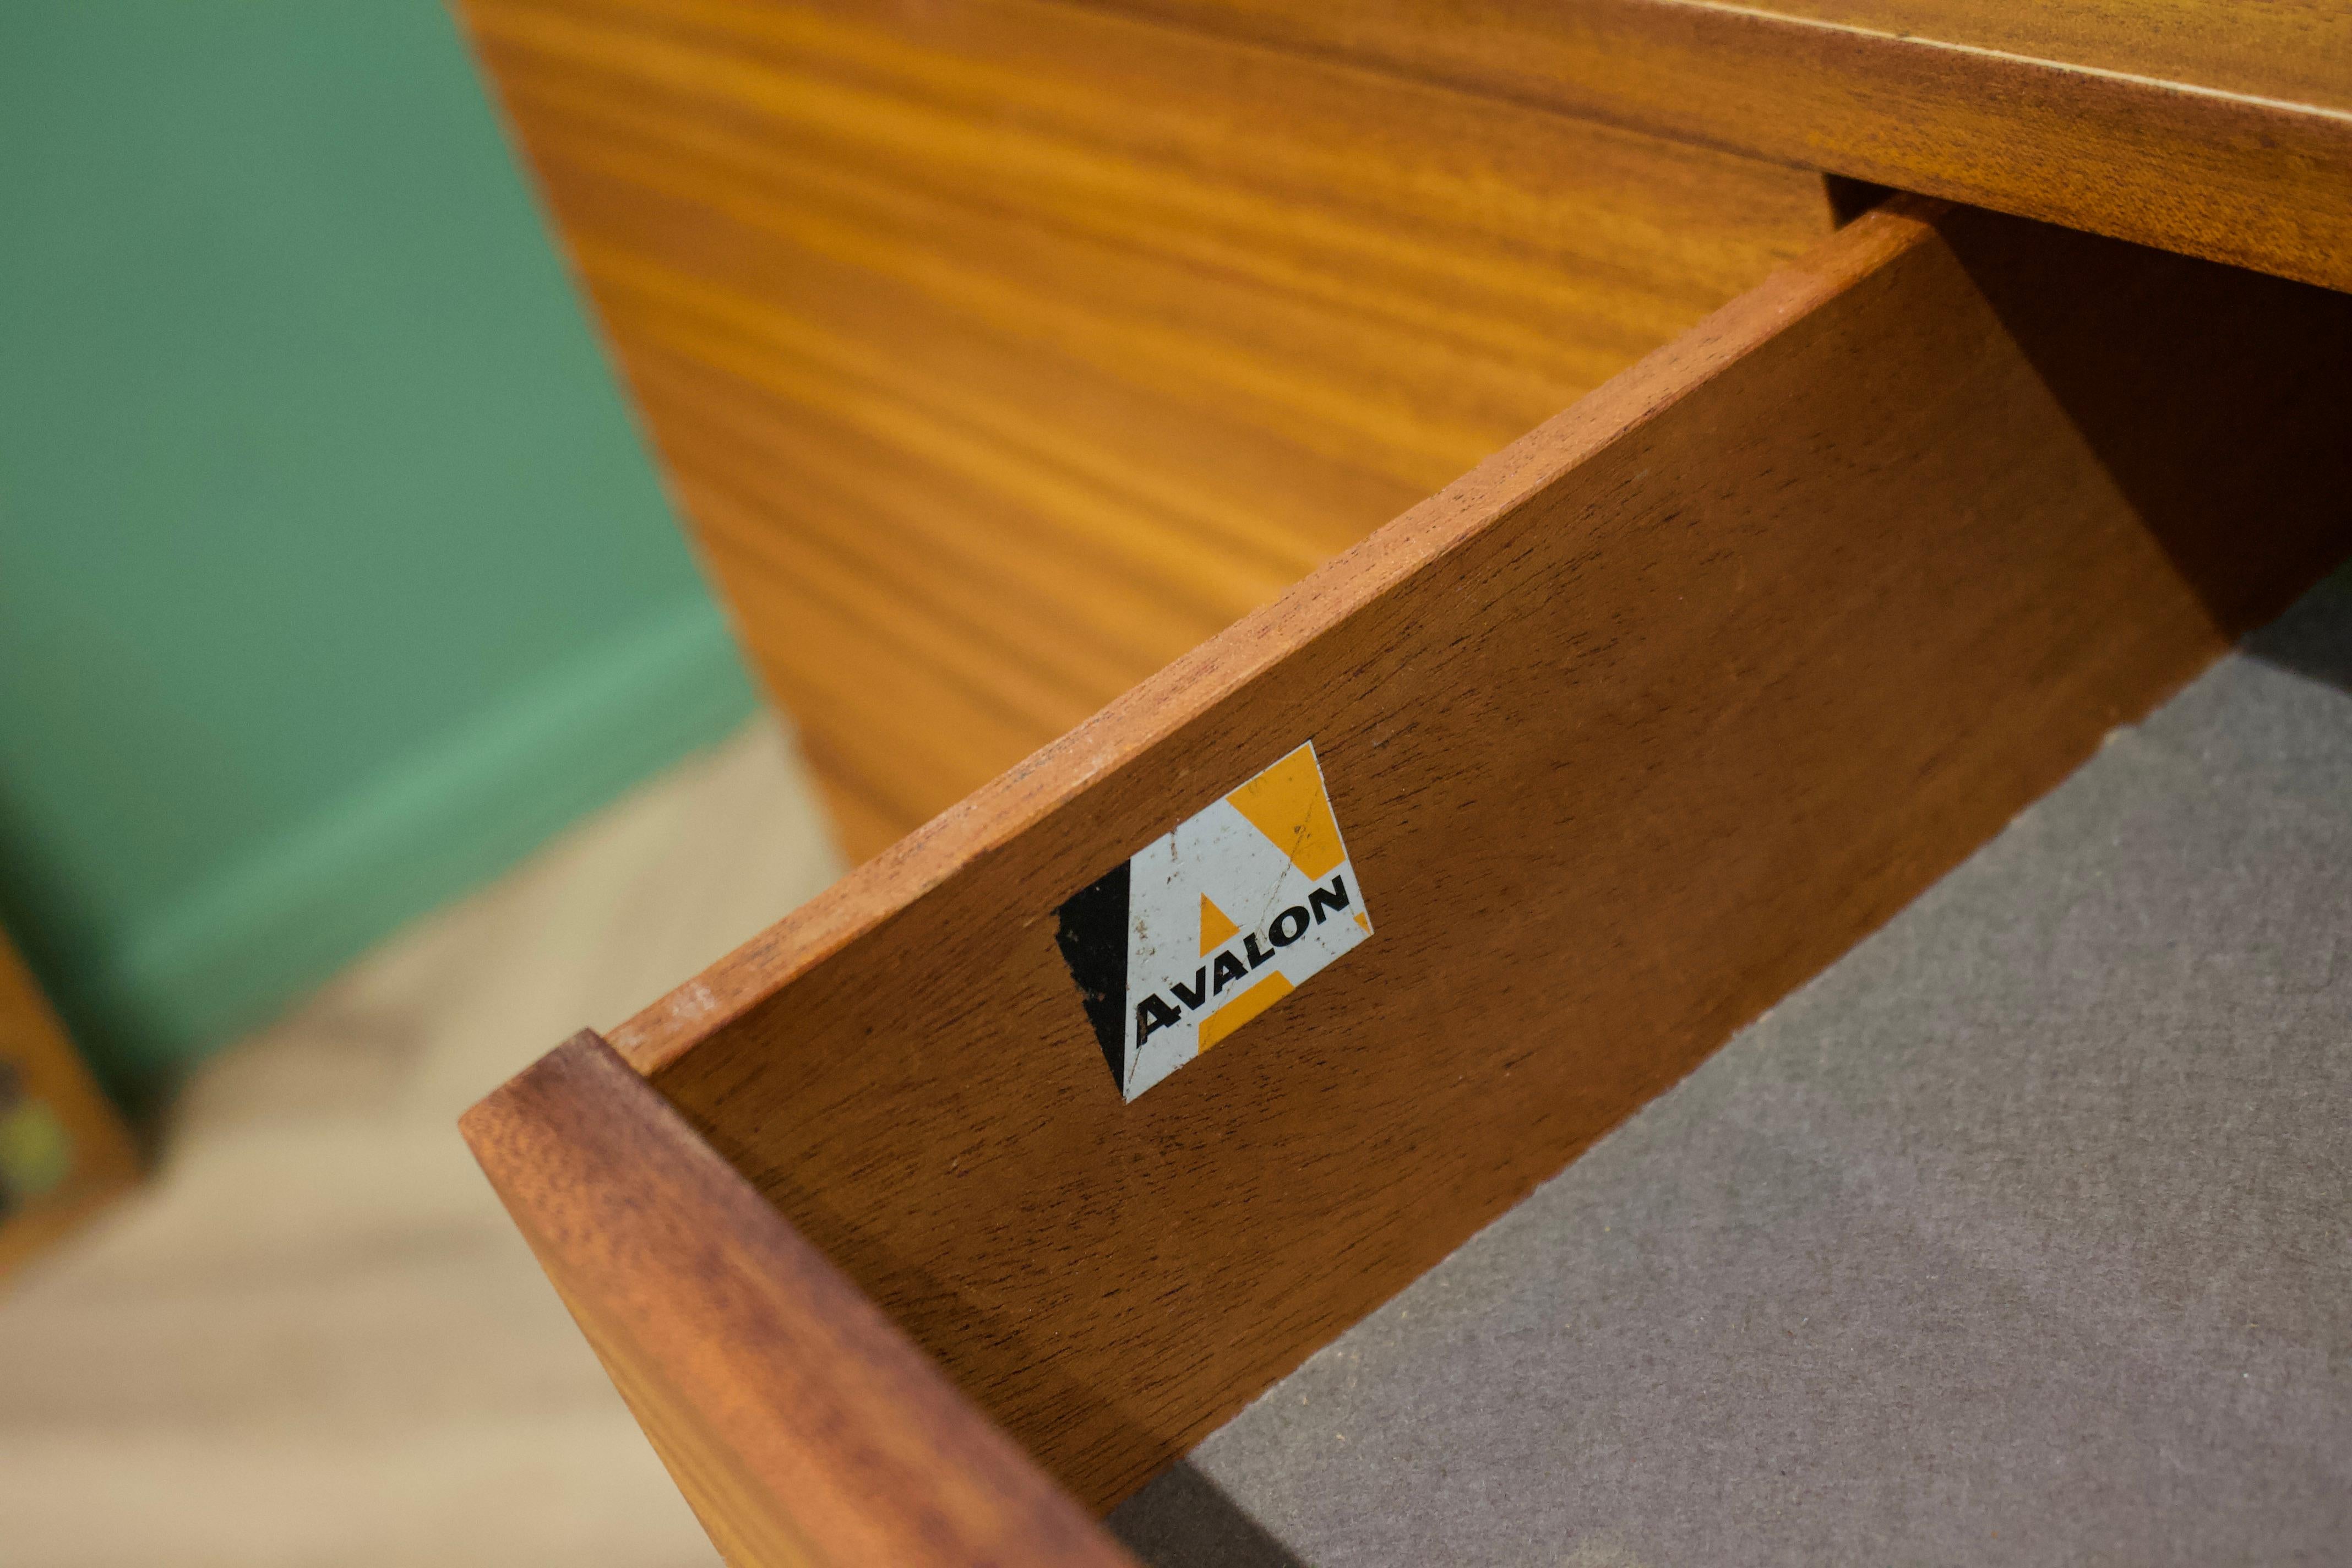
{"points": [[314, 1338]]}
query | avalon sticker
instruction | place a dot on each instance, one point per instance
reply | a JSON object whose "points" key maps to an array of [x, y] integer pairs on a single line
{"points": [[1204, 929]]}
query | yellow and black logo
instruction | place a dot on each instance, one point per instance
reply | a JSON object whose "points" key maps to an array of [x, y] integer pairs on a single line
{"points": [[1205, 928]]}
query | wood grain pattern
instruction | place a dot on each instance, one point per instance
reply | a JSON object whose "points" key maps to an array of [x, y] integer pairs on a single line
{"points": [[804, 1429], [1002, 351], [2221, 131], [1629, 730], [34, 1048], [2290, 51]]}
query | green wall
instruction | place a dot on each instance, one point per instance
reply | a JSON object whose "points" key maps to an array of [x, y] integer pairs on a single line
{"points": [[333, 577]]}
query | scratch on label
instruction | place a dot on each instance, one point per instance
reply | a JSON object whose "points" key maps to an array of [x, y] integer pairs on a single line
{"points": [[1205, 928]]}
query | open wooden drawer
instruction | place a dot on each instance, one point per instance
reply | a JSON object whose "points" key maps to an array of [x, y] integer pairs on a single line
{"points": [[1629, 730]]}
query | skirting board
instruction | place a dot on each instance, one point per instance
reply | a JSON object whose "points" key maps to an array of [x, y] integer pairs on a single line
{"points": [[227, 957]]}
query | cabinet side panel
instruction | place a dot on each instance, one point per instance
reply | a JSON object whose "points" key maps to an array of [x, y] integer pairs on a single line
{"points": [[1002, 351]]}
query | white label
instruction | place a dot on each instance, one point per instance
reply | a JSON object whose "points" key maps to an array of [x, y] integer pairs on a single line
{"points": [[1207, 927]]}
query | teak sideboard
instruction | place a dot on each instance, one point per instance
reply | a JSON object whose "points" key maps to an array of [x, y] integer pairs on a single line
{"points": [[1676, 556]]}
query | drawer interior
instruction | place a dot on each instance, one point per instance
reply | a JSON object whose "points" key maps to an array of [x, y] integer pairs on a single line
{"points": [[1631, 729], [2006, 1230]]}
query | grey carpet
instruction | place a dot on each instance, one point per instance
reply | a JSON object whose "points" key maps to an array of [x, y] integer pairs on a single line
{"points": [[2022, 1234]]}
